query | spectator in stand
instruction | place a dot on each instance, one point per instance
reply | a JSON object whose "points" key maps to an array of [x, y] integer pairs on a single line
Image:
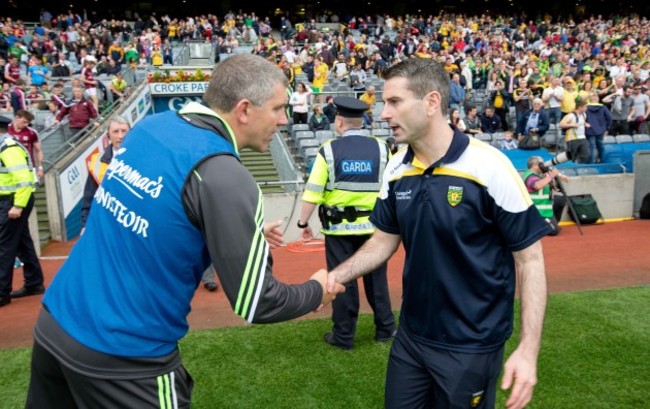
{"points": [[5, 98], [472, 121], [34, 98], [534, 122], [640, 110], [20, 130], [600, 119], [80, 111], [61, 67], [12, 70], [330, 108], [116, 53], [456, 93], [38, 74], [168, 56], [552, 97], [454, 119], [117, 86], [18, 98], [299, 102], [88, 79], [318, 121], [57, 95], [370, 98], [569, 97], [321, 72], [50, 119], [522, 96], [499, 99], [621, 102], [508, 142], [490, 123]]}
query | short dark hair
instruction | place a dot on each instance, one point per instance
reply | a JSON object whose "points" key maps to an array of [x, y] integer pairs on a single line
{"points": [[21, 113], [423, 76]]}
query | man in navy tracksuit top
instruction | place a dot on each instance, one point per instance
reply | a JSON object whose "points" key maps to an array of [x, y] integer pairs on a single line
{"points": [[174, 199], [465, 219]]}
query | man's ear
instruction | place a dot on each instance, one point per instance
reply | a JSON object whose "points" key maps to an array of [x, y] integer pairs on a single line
{"points": [[243, 111]]}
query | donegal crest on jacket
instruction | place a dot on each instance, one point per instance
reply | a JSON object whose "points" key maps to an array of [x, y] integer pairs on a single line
{"points": [[454, 195]]}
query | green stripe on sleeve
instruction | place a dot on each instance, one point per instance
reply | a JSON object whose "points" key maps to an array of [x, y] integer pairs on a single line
{"points": [[250, 275]]}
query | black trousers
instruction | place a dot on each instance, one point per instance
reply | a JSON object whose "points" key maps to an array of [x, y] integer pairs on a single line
{"points": [[15, 241], [55, 386], [420, 376], [345, 308]]}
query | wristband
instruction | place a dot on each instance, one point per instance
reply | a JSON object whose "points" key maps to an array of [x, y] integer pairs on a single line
{"points": [[302, 226]]}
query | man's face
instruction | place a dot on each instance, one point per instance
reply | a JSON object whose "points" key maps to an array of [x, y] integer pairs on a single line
{"points": [[264, 120], [404, 111], [116, 133], [20, 123], [78, 93]]}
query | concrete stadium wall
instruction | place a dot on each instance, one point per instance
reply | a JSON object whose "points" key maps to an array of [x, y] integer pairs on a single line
{"points": [[614, 194]]}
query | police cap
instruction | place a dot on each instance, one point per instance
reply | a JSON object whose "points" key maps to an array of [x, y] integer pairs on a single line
{"points": [[349, 107], [4, 122]]}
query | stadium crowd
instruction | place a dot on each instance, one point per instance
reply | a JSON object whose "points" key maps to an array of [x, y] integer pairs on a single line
{"points": [[498, 64]]}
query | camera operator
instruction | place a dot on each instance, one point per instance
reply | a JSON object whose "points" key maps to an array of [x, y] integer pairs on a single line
{"points": [[539, 180]]}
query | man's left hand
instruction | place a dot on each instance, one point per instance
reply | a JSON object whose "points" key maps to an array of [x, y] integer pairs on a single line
{"points": [[15, 212], [273, 233], [520, 373]]}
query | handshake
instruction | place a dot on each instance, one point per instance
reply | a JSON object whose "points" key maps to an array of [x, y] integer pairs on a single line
{"points": [[330, 286]]}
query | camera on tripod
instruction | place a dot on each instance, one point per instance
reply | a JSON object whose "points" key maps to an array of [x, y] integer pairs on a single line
{"points": [[556, 160]]}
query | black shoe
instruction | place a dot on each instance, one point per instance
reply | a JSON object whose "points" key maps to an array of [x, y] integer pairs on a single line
{"points": [[386, 339], [329, 338], [27, 291], [211, 286], [5, 300]]}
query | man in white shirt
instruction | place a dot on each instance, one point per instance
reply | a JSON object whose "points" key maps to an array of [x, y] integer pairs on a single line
{"points": [[618, 69], [552, 97]]}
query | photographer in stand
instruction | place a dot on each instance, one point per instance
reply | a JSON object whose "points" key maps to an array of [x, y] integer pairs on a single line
{"points": [[539, 179]]}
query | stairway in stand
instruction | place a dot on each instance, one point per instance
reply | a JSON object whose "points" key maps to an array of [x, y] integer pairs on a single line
{"points": [[263, 169], [40, 207]]}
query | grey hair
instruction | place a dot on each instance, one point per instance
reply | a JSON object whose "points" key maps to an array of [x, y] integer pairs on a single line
{"points": [[244, 76], [118, 120], [534, 160], [423, 76]]}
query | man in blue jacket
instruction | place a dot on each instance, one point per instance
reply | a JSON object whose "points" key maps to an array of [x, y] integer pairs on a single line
{"points": [[532, 126], [600, 119], [167, 207], [456, 94]]}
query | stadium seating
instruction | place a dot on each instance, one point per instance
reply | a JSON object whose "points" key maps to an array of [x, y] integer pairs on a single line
{"points": [[306, 143], [609, 139], [641, 137], [381, 133], [624, 139], [485, 137], [323, 136], [297, 136]]}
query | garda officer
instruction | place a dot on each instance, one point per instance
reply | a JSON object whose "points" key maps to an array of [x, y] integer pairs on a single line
{"points": [[17, 183], [345, 181], [117, 129]]}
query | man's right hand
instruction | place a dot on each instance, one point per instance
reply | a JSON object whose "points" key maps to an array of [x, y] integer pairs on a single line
{"points": [[329, 291]]}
